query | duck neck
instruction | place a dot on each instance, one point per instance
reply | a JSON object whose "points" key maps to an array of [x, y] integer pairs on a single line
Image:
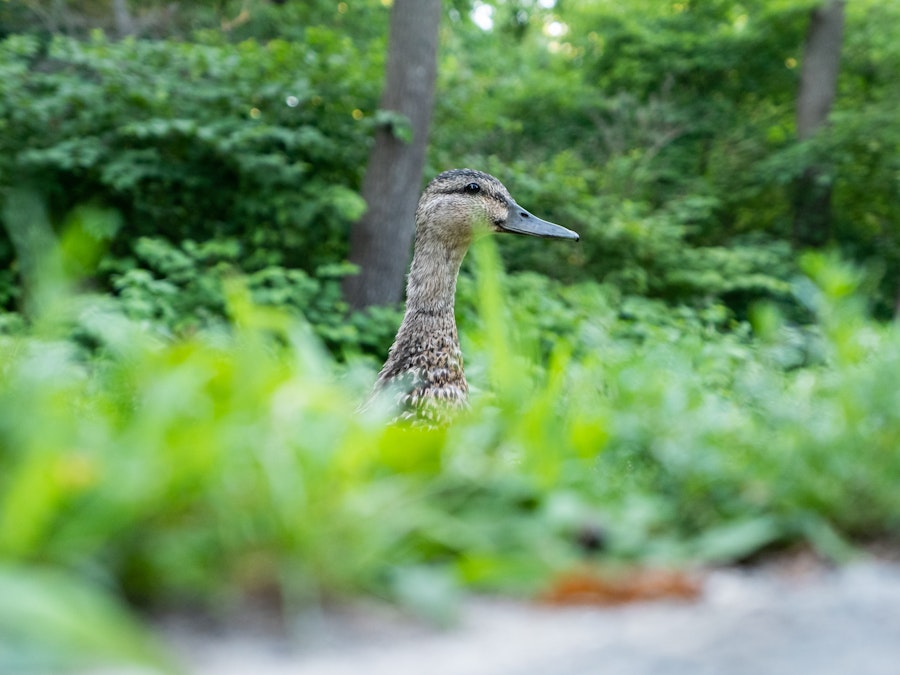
{"points": [[431, 286], [427, 344]]}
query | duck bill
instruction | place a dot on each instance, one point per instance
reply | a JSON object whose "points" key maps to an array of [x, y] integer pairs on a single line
{"points": [[520, 221]]}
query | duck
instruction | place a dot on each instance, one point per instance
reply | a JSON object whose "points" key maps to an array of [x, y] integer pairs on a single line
{"points": [[424, 366]]}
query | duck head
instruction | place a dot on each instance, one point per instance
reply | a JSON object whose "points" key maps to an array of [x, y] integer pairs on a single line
{"points": [[461, 203]]}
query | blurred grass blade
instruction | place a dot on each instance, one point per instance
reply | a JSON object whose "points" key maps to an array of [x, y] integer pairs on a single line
{"points": [[25, 216], [496, 340], [86, 237], [737, 539], [49, 622]]}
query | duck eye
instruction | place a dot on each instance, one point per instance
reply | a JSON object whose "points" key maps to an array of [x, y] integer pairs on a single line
{"points": [[472, 188]]}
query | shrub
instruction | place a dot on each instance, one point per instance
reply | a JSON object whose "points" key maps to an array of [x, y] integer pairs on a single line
{"points": [[194, 141]]}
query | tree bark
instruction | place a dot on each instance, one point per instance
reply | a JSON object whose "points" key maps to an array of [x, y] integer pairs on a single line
{"points": [[818, 88], [125, 24], [380, 242]]}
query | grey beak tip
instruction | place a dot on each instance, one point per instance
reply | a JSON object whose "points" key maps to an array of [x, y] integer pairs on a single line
{"points": [[522, 222]]}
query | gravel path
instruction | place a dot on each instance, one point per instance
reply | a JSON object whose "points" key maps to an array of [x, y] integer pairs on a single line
{"points": [[760, 622]]}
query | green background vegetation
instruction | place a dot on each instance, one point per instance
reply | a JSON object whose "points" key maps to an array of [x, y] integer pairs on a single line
{"points": [[179, 374]]}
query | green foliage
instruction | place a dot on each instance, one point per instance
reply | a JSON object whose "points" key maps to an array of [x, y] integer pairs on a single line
{"points": [[180, 290], [664, 133], [262, 146], [175, 427], [636, 172], [227, 464], [249, 171], [48, 623]]}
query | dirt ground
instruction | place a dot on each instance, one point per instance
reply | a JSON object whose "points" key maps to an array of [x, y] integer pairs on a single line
{"points": [[791, 618]]}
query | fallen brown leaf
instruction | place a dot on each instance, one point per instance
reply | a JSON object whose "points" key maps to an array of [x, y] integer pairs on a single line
{"points": [[593, 587]]}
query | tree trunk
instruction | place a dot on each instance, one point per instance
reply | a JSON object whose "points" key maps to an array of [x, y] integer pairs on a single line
{"points": [[818, 88], [125, 24], [380, 241], [897, 304]]}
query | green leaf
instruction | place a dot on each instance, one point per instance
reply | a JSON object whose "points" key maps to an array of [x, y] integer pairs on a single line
{"points": [[50, 621], [397, 123], [735, 540]]}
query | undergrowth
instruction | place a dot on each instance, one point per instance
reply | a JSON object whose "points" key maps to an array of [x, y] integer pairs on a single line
{"points": [[230, 463]]}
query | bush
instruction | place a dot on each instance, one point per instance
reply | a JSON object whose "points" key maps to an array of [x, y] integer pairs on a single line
{"points": [[251, 170], [261, 146]]}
